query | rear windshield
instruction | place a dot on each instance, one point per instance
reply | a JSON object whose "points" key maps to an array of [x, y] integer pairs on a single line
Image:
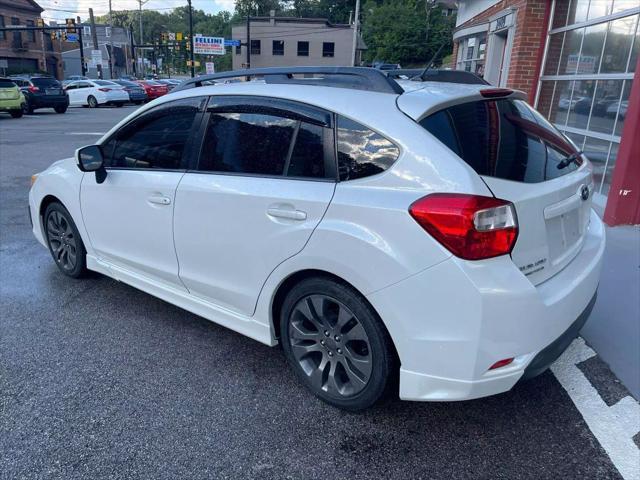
{"points": [[45, 82], [504, 139], [4, 83]]}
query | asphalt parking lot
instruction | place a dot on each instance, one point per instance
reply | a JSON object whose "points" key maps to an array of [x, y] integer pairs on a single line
{"points": [[99, 380]]}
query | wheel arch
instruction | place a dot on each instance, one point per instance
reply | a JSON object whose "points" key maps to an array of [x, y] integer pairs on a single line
{"points": [[294, 278]]}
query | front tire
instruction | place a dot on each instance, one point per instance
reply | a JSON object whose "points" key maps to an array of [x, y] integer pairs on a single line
{"points": [[64, 241], [336, 344], [60, 109], [92, 102]]}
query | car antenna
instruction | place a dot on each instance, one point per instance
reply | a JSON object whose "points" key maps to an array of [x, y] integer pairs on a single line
{"points": [[433, 59]]}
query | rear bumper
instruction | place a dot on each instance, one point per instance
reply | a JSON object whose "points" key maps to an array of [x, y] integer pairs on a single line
{"points": [[11, 104], [451, 322], [48, 101]]}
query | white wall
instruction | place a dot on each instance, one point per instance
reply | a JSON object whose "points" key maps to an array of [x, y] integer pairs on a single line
{"points": [[468, 9]]}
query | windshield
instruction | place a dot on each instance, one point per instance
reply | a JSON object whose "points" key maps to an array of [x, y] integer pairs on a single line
{"points": [[4, 83], [105, 83], [504, 139]]}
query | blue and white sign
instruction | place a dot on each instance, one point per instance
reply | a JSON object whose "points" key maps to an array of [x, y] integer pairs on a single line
{"points": [[231, 43], [208, 45], [72, 37]]}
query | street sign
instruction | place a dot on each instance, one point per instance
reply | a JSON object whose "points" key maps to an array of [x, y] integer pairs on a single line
{"points": [[72, 37], [231, 43], [178, 36], [211, 68], [96, 58], [208, 45], [195, 64]]}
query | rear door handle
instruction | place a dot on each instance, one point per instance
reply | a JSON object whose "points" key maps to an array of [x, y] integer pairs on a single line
{"points": [[159, 200], [287, 213]]}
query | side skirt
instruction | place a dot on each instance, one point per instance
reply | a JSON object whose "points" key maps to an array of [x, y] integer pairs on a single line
{"points": [[239, 323]]}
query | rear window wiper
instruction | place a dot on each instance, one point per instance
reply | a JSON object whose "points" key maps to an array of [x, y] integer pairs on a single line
{"points": [[573, 158]]}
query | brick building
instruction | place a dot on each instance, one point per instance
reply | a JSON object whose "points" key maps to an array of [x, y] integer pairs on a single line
{"points": [[577, 61], [23, 51]]}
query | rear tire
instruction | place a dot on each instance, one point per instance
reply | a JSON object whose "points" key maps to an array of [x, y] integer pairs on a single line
{"points": [[337, 345], [16, 113], [139, 102], [64, 242], [27, 109], [92, 102], [119, 105], [60, 109]]}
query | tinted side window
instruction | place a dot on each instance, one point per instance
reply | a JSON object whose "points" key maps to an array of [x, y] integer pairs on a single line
{"points": [[262, 144], [157, 139], [361, 151], [307, 156], [247, 143]]}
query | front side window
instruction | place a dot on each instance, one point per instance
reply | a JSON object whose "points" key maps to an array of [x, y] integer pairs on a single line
{"points": [[361, 151], [156, 139], [328, 49], [278, 47], [262, 143]]}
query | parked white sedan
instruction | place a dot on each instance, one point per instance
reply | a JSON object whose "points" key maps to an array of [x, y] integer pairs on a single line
{"points": [[94, 93]]}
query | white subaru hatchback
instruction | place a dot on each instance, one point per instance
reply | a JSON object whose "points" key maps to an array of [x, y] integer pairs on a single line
{"points": [[432, 238]]}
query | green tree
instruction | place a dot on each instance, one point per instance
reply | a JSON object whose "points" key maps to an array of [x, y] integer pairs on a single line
{"points": [[405, 32]]}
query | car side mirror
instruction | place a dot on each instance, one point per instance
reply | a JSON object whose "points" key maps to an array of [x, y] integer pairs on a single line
{"points": [[90, 159]]}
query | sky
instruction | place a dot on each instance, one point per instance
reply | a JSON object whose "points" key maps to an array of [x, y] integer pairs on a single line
{"points": [[61, 9]]}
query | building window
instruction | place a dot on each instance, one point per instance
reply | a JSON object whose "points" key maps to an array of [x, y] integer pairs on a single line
{"points": [[278, 47], [303, 49], [31, 34], [585, 88], [17, 36], [328, 49], [471, 54], [3, 35], [238, 50], [107, 32], [255, 47]]}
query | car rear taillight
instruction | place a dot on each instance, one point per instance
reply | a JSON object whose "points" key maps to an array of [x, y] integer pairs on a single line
{"points": [[472, 227], [33, 89], [104, 89]]}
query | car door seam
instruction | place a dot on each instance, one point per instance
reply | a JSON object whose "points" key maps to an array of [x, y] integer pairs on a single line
{"points": [[173, 230], [255, 306]]}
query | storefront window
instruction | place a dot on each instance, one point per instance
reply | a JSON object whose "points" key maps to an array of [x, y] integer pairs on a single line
{"points": [[587, 77], [471, 54]]}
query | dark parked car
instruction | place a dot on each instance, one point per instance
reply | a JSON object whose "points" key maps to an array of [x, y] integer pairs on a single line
{"points": [[42, 92], [136, 93]]}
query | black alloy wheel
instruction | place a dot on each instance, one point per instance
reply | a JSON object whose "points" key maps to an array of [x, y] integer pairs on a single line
{"points": [[64, 241], [336, 344]]}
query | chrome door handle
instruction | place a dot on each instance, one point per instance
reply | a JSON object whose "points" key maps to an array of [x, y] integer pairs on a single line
{"points": [[287, 213], [159, 200]]}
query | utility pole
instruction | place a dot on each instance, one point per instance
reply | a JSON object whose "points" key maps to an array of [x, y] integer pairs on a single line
{"points": [[248, 40], [82, 67], [133, 51], [141, 39], [110, 43], [192, 62], [356, 25], [94, 35]]}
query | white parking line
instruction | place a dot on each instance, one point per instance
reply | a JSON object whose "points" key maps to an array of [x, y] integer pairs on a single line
{"points": [[614, 426]]}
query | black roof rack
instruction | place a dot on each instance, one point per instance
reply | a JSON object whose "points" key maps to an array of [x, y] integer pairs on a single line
{"points": [[359, 78], [434, 75]]}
